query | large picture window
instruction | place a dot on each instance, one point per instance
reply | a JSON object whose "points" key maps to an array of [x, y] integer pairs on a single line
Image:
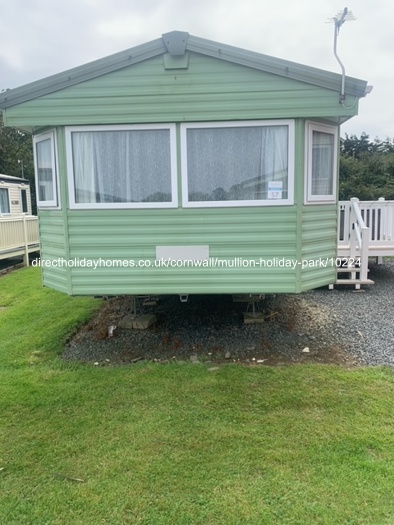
{"points": [[122, 166], [321, 162], [45, 169], [237, 163]]}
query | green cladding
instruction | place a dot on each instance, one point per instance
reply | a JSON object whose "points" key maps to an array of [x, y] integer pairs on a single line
{"points": [[199, 86]]}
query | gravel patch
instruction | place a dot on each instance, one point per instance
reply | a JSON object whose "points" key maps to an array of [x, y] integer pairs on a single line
{"points": [[342, 326], [364, 318]]}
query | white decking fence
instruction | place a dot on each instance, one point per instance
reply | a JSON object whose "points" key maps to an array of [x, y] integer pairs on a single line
{"points": [[18, 236], [365, 229]]}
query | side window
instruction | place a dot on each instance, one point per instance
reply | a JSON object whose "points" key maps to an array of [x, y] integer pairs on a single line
{"points": [[4, 201], [24, 206], [321, 163], [45, 170]]}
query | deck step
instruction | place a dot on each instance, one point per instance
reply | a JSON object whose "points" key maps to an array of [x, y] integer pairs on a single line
{"points": [[349, 270], [354, 281], [351, 282]]}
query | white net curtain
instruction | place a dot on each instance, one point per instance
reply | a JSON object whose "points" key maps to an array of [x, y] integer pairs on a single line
{"points": [[45, 170], [122, 166], [236, 163], [322, 163]]}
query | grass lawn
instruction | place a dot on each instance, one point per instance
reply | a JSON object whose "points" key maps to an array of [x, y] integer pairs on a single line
{"points": [[179, 444]]}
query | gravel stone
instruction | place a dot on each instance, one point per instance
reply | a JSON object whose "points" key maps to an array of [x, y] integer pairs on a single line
{"points": [[365, 323], [347, 328]]}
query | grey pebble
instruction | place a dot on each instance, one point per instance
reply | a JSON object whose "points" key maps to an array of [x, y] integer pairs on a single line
{"points": [[211, 327]]}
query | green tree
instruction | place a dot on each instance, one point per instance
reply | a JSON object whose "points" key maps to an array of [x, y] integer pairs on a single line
{"points": [[366, 168], [353, 146], [16, 155]]}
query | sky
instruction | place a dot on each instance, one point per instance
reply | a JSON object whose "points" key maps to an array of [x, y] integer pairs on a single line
{"points": [[39, 38]]}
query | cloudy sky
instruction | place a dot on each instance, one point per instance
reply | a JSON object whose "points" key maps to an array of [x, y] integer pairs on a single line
{"points": [[39, 38]]}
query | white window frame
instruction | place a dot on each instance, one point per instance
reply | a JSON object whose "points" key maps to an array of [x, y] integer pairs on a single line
{"points": [[121, 205], [51, 135], [310, 198], [3, 213], [239, 203]]}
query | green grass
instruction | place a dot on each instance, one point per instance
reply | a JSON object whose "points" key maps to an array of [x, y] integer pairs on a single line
{"points": [[35, 321], [178, 444]]}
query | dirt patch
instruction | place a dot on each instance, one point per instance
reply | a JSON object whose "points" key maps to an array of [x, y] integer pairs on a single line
{"points": [[211, 329]]}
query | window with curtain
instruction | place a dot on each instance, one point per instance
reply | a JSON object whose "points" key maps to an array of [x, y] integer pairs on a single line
{"points": [[4, 201], [116, 166], [237, 164], [321, 162], [45, 169]]}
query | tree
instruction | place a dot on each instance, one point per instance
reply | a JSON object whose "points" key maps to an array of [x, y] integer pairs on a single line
{"points": [[16, 155], [353, 146], [366, 168]]}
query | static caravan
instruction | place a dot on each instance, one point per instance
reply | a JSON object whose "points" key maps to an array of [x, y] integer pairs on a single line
{"points": [[18, 227], [15, 197], [185, 166]]}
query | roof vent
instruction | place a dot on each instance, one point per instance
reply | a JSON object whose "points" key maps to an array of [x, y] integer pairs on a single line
{"points": [[176, 42]]}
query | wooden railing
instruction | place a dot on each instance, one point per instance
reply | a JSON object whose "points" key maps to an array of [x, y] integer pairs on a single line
{"points": [[354, 238], [378, 216], [18, 236]]}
